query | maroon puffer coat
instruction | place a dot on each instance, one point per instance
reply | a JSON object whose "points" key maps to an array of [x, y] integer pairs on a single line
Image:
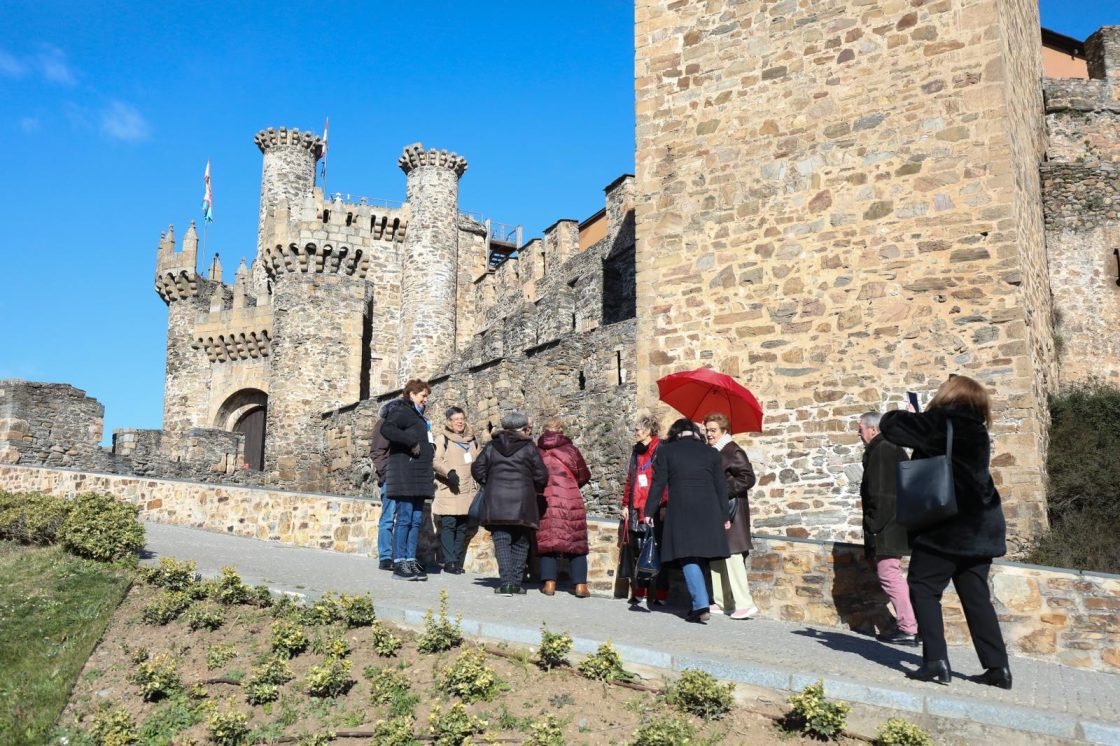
{"points": [[563, 516]]}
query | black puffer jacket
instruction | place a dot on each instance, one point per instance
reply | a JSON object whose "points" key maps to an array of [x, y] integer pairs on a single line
{"points": [[512, 473], [978, 529], [409, 472]]}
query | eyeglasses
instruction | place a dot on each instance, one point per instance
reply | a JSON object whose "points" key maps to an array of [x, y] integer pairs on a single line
{"points": [[526, 429], [712, 430]]}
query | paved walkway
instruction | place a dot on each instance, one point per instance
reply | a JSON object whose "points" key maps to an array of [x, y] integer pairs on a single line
{"points": [[1048, 698]]}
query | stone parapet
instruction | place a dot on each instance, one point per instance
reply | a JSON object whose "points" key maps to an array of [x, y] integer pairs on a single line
{"points": [[50, 423], [315, 259], [271, 138], [1046, 613], [416, 155]]}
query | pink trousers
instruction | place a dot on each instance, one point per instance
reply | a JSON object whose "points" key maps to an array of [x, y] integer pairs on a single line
{"points": [[889, 570]]}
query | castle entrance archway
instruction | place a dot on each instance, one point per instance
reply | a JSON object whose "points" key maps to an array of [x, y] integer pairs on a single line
{"points": [[245, 412]]}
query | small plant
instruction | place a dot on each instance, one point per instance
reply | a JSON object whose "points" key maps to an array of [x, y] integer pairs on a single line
{"points": [[286, 607], [314, 739], [219, 655], [288, 637], [469, 678], [165, 608], [332, 645], [554, 649], [228, 728], [103, 528], [387, 684], [157, 677], [395, 731], [230, 589], [113, 727], [605, 665], [32, 518], [138, 656], [326, 610], [667, 730], [357, 611], [258, 692], [261, 596], [440, 634], [207, 617], [273, 670], [172, 574], [698, 693], [815, 716], [330, 679], [549, 731], [385, 643], [901, 732], [454, 727]]}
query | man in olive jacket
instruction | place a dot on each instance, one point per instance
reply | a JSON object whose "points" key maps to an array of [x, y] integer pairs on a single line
{"points": [[885, 541]]}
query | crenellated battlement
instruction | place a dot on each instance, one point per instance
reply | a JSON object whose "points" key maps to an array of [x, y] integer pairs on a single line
{"points": [[415, 156], [235, 345], [311, 258], [270, 138], [176, 271]]}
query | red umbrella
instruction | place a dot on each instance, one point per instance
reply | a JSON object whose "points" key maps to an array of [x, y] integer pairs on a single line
{"points": [[697, 393]]}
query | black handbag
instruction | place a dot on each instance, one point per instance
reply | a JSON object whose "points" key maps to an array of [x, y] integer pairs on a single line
{"points": [[649, 557], [732, 508], [474, 512], [926, 495]]}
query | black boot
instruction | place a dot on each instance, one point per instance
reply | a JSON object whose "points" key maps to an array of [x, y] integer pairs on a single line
{"points": [[1000, 677], [932, 671]]}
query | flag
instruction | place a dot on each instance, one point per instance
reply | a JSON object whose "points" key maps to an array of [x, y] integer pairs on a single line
{"points": [[207, 198], [326, 132]]}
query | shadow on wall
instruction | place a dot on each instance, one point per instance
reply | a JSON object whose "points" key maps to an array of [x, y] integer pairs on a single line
{"points": [[860, 602]]}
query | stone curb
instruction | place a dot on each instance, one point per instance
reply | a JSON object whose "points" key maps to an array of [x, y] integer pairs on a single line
{"points": [[1022, 719]]}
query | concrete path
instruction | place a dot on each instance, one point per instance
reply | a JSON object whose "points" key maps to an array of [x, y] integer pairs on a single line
{"points": [[1048, 699]]}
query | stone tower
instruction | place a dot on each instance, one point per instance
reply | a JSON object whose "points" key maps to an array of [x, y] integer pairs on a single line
{"points": [[186, 295], [430, 262], [288, 171]]}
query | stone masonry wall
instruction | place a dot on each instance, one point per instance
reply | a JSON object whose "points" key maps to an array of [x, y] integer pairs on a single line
{"points": [[287, 171], [1048, 614], [833, 207], [50, 423]]}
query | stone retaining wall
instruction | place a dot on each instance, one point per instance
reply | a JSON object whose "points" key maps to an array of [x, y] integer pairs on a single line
{"points": [[1059, 615]]}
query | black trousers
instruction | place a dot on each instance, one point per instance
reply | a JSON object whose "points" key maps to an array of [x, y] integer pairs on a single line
{"points": [[511, 549], [928, 576], [453, 538]]}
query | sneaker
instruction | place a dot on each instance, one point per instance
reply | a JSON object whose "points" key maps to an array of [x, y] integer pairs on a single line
{"points": [[898, 637], [507, 590], [699, 616], [385, 564], [715, 610], [403, 571], [747, 613], [417, 570], [660, 602]]}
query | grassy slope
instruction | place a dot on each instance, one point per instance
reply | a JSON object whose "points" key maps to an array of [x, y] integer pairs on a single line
{"points": [[53, 609]]}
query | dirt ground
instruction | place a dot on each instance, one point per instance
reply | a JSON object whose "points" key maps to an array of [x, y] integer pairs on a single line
{"points": [[591, 712]]}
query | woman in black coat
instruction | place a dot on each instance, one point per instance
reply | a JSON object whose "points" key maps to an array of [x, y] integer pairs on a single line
{"points": [[959, 548], [410, 477], [512, 473], [696, 517]]}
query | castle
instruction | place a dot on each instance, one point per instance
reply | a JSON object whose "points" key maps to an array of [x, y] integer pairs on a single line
{"points": [[833, 203]]}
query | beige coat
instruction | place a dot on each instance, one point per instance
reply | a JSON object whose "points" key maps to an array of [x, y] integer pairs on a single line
{"points": [[450, 456]]}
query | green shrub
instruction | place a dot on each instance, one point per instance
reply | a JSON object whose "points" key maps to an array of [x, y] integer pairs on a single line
{"points": [[31, 517], [288, 637], [357, 611], [554, 649], [387, 684], [219, 655], [605, 665], [440, 634], [228, 728], [229, 589], [549, 731], [172, 574], [330, 679], [331, 644], [901, 732], [176, 714], [157, 677], [259, 692], [113, 727], [397, 731], [815, 716], [469, 678], [103, 528], [314, 739], [698, 693], [273, 670], [325, 610], [385, 643], [286, 607], [205, 617], [165, 608], [455, 726], [261, 596], [666, 730]]}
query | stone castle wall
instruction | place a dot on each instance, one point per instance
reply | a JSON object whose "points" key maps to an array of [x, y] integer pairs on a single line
{"points": [[1056, 615], [53, 424], [837, 212], [1081, 190]]}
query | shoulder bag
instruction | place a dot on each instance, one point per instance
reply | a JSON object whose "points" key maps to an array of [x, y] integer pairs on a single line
{"points": [[926, 495], [649, 557]]}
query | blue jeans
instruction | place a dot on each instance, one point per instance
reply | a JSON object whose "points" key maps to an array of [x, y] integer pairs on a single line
{"points": [[410, 514], [385, 528], [694, 580]]}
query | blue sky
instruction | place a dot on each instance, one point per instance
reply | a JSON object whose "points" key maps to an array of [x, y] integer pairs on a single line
{"points": [[112, 108]]}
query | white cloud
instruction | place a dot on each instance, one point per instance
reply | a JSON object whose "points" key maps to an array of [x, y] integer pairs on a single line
{"points": [[10, 67], [29, 124], [51, 62], [123, 121]]}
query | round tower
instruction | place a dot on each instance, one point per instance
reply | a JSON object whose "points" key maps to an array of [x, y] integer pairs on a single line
{"points": [[431, 248], [288, 171]]}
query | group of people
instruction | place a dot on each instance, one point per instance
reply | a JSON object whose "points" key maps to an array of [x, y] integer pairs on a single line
{"points": [[689, 490]]}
